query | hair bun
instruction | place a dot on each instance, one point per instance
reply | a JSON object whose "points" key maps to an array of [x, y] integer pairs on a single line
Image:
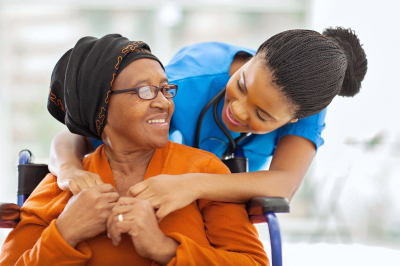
{"points": [[356, 59]]}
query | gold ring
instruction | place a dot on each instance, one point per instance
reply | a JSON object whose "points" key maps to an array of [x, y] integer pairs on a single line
{"points": [[120, 218]]}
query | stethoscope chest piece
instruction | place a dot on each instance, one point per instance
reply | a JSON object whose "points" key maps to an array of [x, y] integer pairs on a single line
{"points": [[237, 164]]}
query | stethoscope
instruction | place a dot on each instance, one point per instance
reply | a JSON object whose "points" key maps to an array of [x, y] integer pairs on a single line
{"points": [[233, 157]]}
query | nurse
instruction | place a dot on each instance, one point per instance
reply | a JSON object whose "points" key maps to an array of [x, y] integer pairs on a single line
{"points": [[278, 93]]}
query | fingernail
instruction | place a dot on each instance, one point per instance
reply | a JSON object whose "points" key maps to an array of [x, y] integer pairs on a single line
{"points": [[108, 234], [115, 243]]}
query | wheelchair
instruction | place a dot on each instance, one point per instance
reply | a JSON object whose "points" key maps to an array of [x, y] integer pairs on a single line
{"points": [[260, 209]]}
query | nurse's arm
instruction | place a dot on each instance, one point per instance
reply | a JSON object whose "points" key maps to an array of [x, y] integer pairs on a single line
{"points": [[233, 239], [66, 153], [291, 161]]}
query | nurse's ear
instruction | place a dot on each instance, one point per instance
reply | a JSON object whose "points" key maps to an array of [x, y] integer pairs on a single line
{"points": [[294, 120]]}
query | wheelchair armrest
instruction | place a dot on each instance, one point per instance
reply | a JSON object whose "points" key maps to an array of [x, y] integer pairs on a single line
{"points": [[257, 208], [9, 215], [262, 205]]}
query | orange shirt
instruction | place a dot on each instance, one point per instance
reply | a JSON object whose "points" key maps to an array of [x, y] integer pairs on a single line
{"points": [[209, 233]]}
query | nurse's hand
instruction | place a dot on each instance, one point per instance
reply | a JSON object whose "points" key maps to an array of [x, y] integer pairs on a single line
{"points": [[136, 218], [75, 180], [167, 193]]}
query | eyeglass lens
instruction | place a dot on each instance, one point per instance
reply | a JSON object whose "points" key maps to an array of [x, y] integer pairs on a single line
{"points": [[150, 92]]}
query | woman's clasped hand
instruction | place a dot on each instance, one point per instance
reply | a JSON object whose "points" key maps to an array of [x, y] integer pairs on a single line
{"points": [[136, 217], [86, 213], [99, 207]]}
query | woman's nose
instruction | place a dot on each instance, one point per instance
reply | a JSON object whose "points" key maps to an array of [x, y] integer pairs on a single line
{"points": [[160, 101], [239, 110]]}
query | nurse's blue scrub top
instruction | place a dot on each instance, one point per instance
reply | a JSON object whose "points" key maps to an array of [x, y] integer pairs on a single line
{"points": [[201, 71]]}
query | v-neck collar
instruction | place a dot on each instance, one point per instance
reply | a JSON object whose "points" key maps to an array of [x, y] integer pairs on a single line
{"points": [[99, 164]]}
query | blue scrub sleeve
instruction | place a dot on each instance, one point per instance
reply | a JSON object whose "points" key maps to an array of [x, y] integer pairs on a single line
{"points": [[96, 143], [310, 128]]}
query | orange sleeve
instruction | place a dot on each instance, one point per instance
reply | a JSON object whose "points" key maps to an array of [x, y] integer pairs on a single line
{"points": [[233, 237], [35, 241]]}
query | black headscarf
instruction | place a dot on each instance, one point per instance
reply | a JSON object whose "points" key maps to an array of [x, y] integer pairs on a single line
{"points": [[82, 80]]}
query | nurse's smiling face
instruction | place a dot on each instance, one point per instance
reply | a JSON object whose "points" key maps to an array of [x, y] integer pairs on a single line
{"points": [[253, 103]]}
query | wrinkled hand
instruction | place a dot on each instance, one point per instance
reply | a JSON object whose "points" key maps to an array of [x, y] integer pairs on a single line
{"points": [[167, 193], [86, 214], [140, 222], [76, 180]]}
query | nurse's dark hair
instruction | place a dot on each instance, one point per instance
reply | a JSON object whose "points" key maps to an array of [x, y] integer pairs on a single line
{"points": [[310, 68]]}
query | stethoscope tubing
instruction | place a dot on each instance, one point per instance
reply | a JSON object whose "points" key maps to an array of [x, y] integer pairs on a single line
{"points": [[232, 147], [201, 116], [216, 100]]}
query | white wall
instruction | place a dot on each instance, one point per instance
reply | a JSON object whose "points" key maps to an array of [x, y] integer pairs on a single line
{"points": [[366, 180], [376, 108]]}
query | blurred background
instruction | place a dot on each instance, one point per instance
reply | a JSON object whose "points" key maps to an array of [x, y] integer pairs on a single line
{"points": [[348, 208]]}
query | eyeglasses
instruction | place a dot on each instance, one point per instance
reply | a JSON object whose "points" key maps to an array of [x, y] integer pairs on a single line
{"points": [[149, 92]]}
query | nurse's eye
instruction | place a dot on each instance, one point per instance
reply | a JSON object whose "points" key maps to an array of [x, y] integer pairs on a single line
{"points": [[240, 87], [259, 116]]}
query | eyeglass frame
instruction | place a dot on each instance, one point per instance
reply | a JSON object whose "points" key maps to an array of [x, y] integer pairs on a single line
{"points": [[136, 90]]}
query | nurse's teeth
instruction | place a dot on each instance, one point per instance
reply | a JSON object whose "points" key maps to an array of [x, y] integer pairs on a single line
{"points": [[156, 121]]}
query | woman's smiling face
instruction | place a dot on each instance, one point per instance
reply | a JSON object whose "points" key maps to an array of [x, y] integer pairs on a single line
{"points": [[133, 121], [253, 103]]}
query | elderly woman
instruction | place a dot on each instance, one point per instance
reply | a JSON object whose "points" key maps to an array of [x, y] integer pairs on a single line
{"points": [[115, 90]]}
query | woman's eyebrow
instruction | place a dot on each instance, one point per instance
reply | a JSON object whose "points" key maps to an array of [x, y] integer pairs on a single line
{"points": [[138, 83], [146, 81]]}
